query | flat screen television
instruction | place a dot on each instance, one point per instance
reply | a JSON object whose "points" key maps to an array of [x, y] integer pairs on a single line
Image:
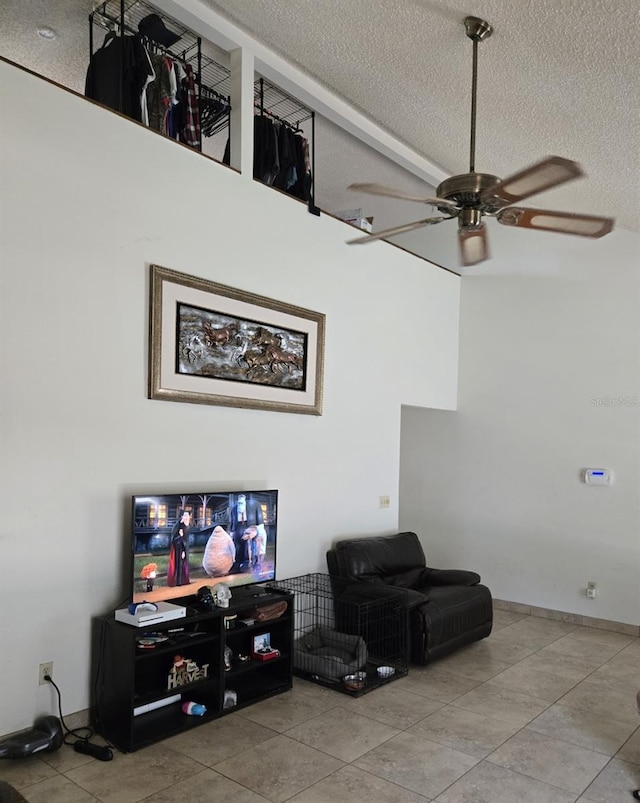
{"points": [[183, 541]]}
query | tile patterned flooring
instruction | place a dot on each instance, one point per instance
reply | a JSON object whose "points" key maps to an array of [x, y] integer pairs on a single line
{"points": [[542, 711]]}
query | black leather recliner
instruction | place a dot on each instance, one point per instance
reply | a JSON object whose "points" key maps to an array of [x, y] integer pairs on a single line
{"points": [[447, 607]]}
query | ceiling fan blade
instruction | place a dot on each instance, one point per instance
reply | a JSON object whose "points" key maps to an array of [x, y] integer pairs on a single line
{"points": [[380, 189], [564, 222], [380, 235], [473, 245], [550, 172]]}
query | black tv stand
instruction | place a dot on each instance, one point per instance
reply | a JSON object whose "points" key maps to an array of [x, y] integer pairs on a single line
{"points": [[136, 705]]}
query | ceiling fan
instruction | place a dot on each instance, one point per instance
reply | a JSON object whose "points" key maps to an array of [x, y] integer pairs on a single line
{"points": [[470, 196]]}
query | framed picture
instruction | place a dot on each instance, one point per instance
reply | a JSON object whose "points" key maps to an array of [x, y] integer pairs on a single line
{"points": [[214, 344], [262, 649], [262, 643]]}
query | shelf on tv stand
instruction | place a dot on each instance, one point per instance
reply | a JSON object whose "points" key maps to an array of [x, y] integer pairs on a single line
{"points": [[126, 676]]}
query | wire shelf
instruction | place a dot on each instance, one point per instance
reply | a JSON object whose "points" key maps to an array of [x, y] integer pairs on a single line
{"points": [[213, 77], [107, 15], [279, 104]]}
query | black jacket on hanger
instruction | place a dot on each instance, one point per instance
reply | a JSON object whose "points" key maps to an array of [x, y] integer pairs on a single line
{"points": [[103, 75]]}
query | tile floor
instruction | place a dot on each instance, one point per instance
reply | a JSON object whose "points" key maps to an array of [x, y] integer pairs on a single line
{"points": [[540, 712]]}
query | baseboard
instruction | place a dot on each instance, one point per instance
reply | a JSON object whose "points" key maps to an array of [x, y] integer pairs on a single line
{"points": [[79, 719], [573, 618]]}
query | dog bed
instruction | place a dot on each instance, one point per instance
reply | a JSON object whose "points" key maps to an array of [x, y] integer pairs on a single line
{"points": [[329, 653]]}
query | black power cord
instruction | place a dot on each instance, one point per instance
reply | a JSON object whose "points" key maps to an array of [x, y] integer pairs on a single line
{"points": [[82, 735]]}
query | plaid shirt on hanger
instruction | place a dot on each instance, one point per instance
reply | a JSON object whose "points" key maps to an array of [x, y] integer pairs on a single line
{"points": [[190, 134]]}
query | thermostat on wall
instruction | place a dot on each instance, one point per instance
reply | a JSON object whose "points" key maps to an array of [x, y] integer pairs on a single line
{"points": [[597, 476]]}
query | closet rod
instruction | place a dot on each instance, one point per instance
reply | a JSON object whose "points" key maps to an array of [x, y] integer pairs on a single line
{"points": [[266, 113]]}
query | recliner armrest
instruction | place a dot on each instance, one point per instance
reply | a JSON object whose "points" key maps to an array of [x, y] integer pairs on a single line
{"points": [[409, 596], [450, 577], [417, 597]]}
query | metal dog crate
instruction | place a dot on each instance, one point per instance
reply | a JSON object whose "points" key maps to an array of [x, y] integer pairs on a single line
{"points": [[352, 637]]}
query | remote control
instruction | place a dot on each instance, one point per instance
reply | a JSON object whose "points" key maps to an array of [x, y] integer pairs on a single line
{"points": [[101, 752]]}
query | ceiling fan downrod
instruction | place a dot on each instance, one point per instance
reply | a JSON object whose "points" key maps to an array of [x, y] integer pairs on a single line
{"points": [[477, 30]]}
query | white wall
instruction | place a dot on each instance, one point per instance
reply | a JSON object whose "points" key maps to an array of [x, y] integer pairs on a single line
{"points": [[89, 200], [549, 385]]}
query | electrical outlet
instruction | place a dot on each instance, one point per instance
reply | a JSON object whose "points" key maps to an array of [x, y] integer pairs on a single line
{"points": [[385, 501], [45, 669], [591, 589]]}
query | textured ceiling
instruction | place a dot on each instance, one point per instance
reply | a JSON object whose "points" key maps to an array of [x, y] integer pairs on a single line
{"points": [[555, 78]]}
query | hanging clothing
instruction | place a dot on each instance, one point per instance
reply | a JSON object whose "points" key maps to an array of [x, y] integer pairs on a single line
{"points": [[143, 96], [281, 157], [287, 176], [159, 93], [169, 124], [178, 112], [266, 164], [149, 88], [190, 134], [117, 74], [302, 187]]}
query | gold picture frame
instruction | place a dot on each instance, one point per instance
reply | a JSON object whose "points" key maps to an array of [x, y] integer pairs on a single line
{"points": [[214, 344]]}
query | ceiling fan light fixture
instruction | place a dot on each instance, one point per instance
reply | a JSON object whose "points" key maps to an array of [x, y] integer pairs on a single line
{"points": [[469, 219], [473, 246]]}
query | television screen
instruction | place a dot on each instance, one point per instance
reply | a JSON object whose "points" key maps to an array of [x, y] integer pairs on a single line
{"points": [[184, 541]]}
